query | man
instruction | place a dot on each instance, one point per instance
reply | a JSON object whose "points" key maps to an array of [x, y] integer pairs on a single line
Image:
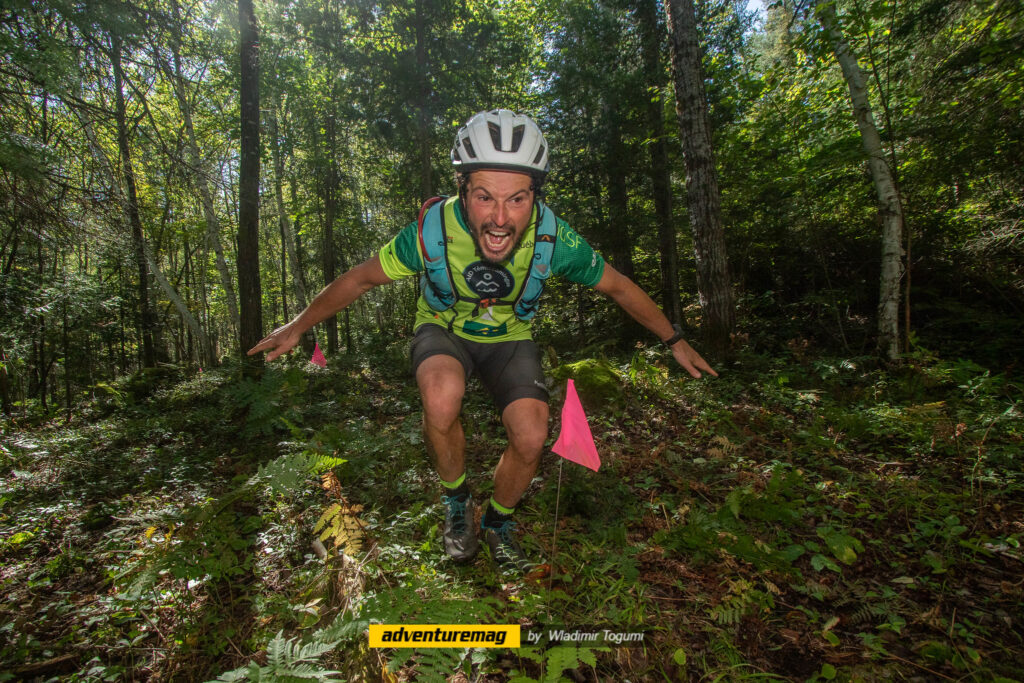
{"points": [[487, 252]]}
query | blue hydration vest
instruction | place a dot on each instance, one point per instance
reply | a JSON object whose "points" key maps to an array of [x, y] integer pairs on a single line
{"points": [[436, 282]]}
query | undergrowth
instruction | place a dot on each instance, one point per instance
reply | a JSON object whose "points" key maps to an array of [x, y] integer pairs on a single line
{"points": [[799, 518]]}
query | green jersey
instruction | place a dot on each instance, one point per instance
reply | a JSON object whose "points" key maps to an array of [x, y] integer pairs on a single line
{"points": [[572, 259]]}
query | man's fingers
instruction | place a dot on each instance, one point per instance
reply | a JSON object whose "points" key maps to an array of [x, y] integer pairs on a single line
{"points": [[693, 362], [262, 345], [256, 349], [271, 341], [703, 365]]}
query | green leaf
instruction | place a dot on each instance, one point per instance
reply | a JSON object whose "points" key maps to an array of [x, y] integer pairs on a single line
{"points": [[679, 657], [820, 562], [843, 546]]}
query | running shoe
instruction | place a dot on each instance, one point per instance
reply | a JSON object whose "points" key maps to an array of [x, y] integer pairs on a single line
{"points": [[505, 549], [460, 539]]}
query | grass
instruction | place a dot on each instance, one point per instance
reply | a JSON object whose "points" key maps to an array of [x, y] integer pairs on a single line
{"points": [[800, 518]]}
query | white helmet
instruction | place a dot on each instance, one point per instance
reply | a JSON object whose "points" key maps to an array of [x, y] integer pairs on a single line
{"points": [[501, 139]]}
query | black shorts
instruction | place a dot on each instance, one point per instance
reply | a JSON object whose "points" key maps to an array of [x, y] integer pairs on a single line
{"points": [[509, 370]]}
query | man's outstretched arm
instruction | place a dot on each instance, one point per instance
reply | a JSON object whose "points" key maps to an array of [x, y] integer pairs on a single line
{"points": [[642, 308], [334, 297]]}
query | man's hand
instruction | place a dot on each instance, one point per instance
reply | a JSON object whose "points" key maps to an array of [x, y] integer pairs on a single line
{"points": [[691, 361], [638, 304], [282, 340], [336, 296]]}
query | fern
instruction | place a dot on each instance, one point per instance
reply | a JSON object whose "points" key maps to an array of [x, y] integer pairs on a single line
{"points": [[556, 661], [340, 524], [435, 665], [288, 661], [564, 657], [741, 600], [288, 473], [268, 403]]}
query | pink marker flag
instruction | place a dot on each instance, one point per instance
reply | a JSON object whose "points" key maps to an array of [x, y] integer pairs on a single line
{"points": [[318, 356], [575, 442]]}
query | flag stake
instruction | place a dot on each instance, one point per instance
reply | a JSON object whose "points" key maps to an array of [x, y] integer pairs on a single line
{"points": [[554, 540]]}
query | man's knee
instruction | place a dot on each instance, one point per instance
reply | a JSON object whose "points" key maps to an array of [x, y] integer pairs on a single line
{"points": [[442, 384], [441, 414], [526, 422]]}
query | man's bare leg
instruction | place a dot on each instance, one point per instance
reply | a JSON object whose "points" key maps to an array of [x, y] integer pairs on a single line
{"points": [[442, 383], [526, 422]]}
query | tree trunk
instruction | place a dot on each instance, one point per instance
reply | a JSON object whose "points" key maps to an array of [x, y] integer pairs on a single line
{"points": [[889, 207], [620, 240], [202, 184], [67, 356], [713, 284], [619, 237], [294, 245], [282, 215], [330, 215], [422, 111], [186, 315], [145, 314], [650, 39], [251, 330], [5, 392]]}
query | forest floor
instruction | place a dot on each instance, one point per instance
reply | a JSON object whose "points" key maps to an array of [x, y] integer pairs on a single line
{"points": [[800, 518]]}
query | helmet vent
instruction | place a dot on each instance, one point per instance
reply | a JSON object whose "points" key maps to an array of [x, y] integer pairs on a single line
{"points": [[495, 134], [502, 140], [517, 137]]}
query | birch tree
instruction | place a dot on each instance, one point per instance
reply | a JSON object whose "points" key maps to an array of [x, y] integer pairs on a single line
{"points": [[890, 209], [200, 173]]}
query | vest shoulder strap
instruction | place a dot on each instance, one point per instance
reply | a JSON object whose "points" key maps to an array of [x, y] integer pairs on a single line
{"points": [[540, 267], [435, 282]]}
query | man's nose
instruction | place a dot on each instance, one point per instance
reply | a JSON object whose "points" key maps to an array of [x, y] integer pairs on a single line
{"points": [[500, 213]]}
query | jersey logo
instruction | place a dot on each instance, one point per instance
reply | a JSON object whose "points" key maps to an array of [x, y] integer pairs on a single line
{"points": [[494, 287], [489, 282], [475, 329]]}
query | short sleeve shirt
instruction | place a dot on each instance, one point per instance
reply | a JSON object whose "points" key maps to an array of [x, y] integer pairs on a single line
{"points": [[573, 258]]}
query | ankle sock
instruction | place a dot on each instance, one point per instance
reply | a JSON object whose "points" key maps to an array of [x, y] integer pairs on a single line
{"points": [[456, 489], [496, 515]]}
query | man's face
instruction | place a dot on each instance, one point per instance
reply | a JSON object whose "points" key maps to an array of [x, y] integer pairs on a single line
{"points": [[498, 209]]}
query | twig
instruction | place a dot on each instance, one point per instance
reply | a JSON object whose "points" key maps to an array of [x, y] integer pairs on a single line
{"points": [[920, 666], [38, 668]]}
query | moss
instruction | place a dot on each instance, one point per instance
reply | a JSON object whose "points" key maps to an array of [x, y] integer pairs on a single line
{"points": [[598, 383]]}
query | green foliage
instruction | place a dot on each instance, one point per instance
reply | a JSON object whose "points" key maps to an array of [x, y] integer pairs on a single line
{"points": [[288, 661], [163, 524], [597, 382], [556, 660], [268, 403], [288, 473], [742, 599]]}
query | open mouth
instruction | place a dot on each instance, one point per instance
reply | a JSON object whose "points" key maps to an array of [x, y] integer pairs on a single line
{"points": [[496, 240]]}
